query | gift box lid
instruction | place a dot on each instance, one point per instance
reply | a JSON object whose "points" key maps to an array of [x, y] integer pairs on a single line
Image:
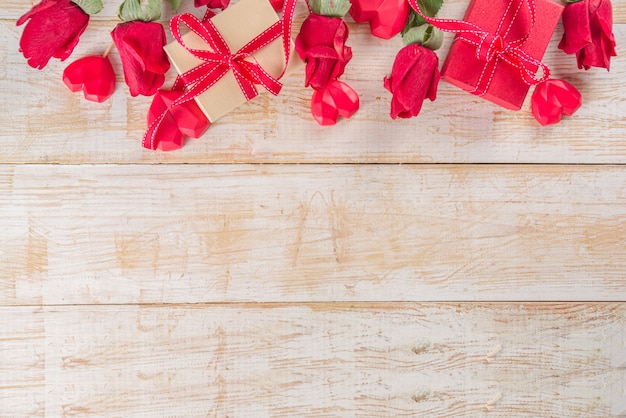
{"points": [[238, 25], [506, 87]]}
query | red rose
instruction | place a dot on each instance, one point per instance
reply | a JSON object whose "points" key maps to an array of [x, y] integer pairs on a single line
{"points": [[414, 77], [140, 45], [212, 4], [53, 31], [588, 32], [322, 44]]}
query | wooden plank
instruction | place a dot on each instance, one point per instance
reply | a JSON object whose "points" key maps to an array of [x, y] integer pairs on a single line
{"points": [[186, 233], [457, 128], [540, 360], [22, 362]]}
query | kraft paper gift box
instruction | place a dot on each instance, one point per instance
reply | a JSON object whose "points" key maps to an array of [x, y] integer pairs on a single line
{"points": [[507, 89], [238, 24]]}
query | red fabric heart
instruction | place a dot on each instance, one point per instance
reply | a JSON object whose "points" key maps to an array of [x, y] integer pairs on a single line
{"points": [[93, 75], [180, 121], [334, 100], [386, 17], [553, 98]]}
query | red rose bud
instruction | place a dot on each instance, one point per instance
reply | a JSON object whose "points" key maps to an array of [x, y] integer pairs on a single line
{"points": [[321, 43], [334, 100], [53, 30], [140, 45], [212, 4], [386, 17], [588, 26], [414, 77], [553, 98], [93, 75]]}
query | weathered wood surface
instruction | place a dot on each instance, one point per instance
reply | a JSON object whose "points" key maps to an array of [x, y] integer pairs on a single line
{"points": [[187, 233], [106, 270], [376, 360], [43, 122]]}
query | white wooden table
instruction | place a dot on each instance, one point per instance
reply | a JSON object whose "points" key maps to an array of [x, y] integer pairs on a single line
{"points": [[463, 263]]}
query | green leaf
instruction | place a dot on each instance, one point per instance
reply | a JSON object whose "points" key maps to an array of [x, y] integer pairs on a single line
{"points": [[414, 20], [133, 10], [425, 35], [429, 8], [435, 39], [91, 7], [175, 4], [331, 8]]}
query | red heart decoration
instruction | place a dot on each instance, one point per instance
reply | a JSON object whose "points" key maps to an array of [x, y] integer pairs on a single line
{"points": [[93, 75], [177, 122], [386, 17], [334, 100], [554, 98]]}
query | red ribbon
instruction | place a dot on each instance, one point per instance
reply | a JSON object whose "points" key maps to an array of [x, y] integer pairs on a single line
{"points": [[493, 48], [220, 60]]}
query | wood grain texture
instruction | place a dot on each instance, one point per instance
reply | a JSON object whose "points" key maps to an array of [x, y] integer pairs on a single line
{"points": [[457, 128], [129, 283], [185, 233], [377, 360]]}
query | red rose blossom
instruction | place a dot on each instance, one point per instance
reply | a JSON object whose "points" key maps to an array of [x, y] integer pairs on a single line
{"points": [[588, 32], [322, 44], [414, 77], [140, 45], [212, 4], [52, 31]]}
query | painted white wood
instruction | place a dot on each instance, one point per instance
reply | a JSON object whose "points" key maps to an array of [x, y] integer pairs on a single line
{"points": [[215, 233], [343, 258], [335, 360]]}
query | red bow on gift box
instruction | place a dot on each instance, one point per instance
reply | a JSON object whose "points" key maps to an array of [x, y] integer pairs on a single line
{"points": [[494, 47], [506, 44], [218, 60]]}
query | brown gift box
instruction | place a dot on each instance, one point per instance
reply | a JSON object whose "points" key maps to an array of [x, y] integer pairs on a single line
{"points": [[238, 25]]}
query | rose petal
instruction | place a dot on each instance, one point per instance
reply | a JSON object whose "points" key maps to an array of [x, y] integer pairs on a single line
{"points": [[53, 30]]}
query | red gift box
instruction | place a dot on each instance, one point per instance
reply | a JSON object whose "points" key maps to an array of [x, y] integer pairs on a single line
{"points": [[508, 20]]}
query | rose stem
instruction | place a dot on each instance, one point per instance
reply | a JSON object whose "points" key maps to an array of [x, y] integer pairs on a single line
{"points": [[106, 52]]}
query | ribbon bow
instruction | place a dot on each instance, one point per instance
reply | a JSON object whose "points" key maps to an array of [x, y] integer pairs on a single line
{"points": [[493, 48], [219, 60]]}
